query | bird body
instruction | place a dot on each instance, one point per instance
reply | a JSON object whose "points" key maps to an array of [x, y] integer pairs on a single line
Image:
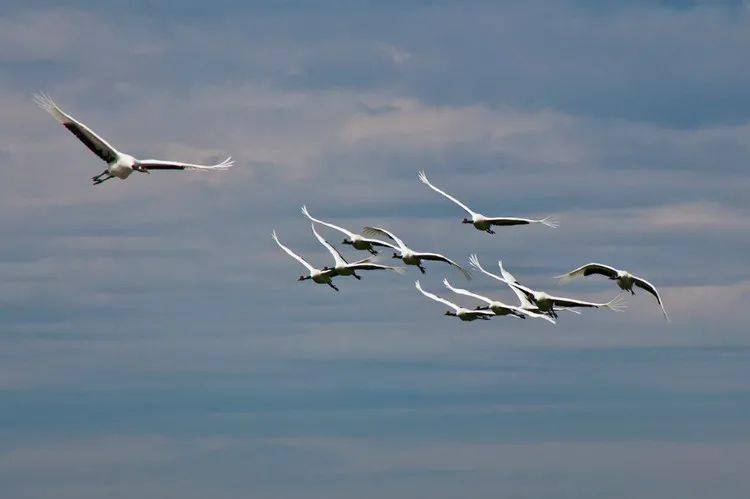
{"points": [[119, 164], [464, 314], [482, 222], [318, 276], [625, 280], [343, 268], [411, 257]]}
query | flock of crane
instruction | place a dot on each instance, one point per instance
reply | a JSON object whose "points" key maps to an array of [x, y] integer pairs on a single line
{"points": [[532, 303]]}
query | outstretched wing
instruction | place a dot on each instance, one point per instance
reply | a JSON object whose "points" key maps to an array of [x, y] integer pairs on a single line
{"points": [[465, 292], [292, 253], [511, 282], [379, 231], [340, 261], [437, 257], [435, 297], [617, 303], [96, 144], [327, 224], [423, 178], [155, 164], [378, 242], [376, 266], [644, 284], [587, 270], [507, 221]]}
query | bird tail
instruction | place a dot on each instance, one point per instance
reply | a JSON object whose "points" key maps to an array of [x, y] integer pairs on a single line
{"points": [[616, 304], [550, 222]]}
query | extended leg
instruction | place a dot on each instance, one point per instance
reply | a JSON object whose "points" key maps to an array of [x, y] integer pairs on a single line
{"points": [[372, 250], [490, 231], [333, 286], [421, 269], [100, 180], [357, 277], [105, 172]]}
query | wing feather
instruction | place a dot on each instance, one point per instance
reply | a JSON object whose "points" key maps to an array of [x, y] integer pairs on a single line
{"points": [[436, 297], [96, 144], [645, 285], [292, 253], [423, 178]]}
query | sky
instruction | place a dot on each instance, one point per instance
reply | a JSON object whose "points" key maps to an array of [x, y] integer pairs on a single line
{"points": [[154, 342]]}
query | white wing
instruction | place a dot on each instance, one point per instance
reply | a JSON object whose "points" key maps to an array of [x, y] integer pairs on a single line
{"points": [[292, 253], [465, 292], [327, 224], [379, 231], [423, 178], [156, 164], [336, 255], [436, 297], [96, 144], [644, 284]]}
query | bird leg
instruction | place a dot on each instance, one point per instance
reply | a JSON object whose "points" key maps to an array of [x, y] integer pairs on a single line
{"points": [[333, 286], [421, 269], [105, 172], [356, 276], [372, 250], [490, 231], [100, 180]]}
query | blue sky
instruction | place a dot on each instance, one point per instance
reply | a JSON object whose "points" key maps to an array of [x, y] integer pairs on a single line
{"points": [[155, 343]]}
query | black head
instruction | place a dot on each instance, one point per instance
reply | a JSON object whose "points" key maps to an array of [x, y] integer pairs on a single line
{"points": [[395, 255], [466, 221], [450, 313], [303, 277], [346, 241]]}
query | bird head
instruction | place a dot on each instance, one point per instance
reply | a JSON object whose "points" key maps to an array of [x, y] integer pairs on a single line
{"points": [[466, 221], [452, 314], [346, 241], [395, 255], [139, 168], [303, 277]]}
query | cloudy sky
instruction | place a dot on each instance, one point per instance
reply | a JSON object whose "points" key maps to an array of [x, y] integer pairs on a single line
{"points": [[154, 341]]}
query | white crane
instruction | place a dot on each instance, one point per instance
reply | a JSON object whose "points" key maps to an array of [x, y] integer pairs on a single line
{"points": [[625, 280], [319, 276], [498, 307], [355, 240], [409, 256], [462, 313], [547, 302], [119, 164], [507, 278], [482, 222], [344, 268]]}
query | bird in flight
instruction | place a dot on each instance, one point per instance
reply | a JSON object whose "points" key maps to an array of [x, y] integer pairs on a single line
{"points": [[318, 276], [119, 164], [482, 222], [355, 240], [625, 280], [547, 302], [465, 314], [343, 268], [408, 255], [508, 278], [498, 307]]}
